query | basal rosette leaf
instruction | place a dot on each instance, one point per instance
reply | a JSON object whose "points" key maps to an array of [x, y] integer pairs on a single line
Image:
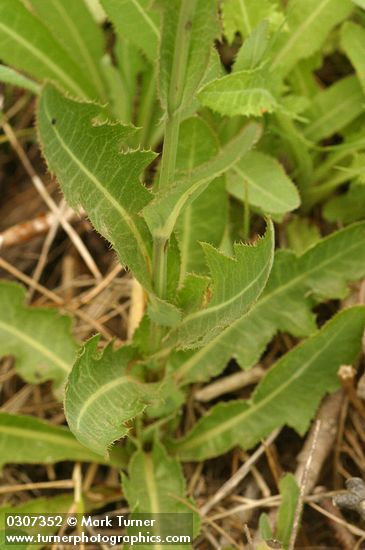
{"points": [[103, 396], [324, 270], [73, 26], [85, 154], [40, 339], [29, 440], [27, 44], [155, 485], [289, 393]]}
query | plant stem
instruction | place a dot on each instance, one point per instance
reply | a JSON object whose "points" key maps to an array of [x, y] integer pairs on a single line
{"points": [[169, 151]]}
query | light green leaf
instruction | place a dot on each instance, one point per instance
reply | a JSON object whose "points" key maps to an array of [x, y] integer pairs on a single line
{"points": [[301, 234], [205, 219], [73, 26], [10, 76], [136, 21], [188, 30], [59, 504], [28, 45], [334, 108], [155, 485], [39, 339], [348, 207], [308, 24], [162, 312], [289, 491], [288, 394], [353, 44], [253, 49], [248, 93], [162, 213], [84, 153], [28, 440], [265, 528], [268, 186], [244, 15], [102, 396], [285, 305], [360, 3], [237, 282]]}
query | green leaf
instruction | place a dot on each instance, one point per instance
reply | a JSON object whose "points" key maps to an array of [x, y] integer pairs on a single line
{"points": [[137, 22], [155, 485], [334, 108], [10, 76], [59, 504], [301, 234], [288, 394], [348, 207], [80, 147], [308, 23], [289, 491], [248, 93], [188, 30], [39, 339], [237, 282], [197, 144], [73, 26], [353, 44], [265, 529], [268, 186], [360, 3], [162, 213], [285, 305], [244, 15], [28, 45], [102, 396], [253, 49], [28, 440]]}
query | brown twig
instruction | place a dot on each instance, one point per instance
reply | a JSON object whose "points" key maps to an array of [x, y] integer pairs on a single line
{"points": [[229, 384], [303, 487], [241, 473]]}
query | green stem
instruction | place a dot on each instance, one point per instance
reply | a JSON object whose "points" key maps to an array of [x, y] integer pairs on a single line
{"points": [[160, 266], [169, 151]]}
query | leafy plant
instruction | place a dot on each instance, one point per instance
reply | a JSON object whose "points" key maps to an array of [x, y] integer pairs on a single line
{"points": [[242, 141]]}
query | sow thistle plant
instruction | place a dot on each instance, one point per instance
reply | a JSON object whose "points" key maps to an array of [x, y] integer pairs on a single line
{"points": [[195, 224]]}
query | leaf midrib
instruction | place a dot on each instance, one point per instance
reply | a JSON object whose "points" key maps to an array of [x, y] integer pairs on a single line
{"points": [[27, 433], [226, 303], [107, 196], [330, 113], [296, 35], [254, 407], [146, 17], [264, 191], [189, 365], [6, 327], [101, 391], [89, 61], [56, 69]]}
